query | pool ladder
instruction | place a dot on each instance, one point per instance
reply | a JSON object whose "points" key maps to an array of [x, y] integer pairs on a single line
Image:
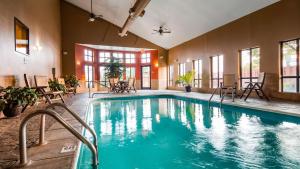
{"points": [[51, 111]]}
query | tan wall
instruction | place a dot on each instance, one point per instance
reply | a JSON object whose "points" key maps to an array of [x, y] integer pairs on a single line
{"points": [[264, 28], [43, 19], [77, 29]]}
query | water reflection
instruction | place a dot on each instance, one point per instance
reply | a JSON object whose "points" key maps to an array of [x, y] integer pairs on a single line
{"points": [[205, 136]]}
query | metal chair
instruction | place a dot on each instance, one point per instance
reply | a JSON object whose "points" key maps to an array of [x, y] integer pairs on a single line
{"points": [[229, 85], [257, 87], [131, 85]]}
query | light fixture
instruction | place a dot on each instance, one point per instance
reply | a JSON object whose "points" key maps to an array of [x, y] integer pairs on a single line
{"points": [[156, 64], [188, 60], [78, 62]]}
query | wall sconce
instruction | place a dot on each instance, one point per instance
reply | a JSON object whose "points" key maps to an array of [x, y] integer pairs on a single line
{"points": [[188, 60], [156, 64], [78, 63]]}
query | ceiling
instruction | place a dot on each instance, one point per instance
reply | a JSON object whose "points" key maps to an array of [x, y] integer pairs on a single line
{"points": [[115, 48], [186, 19]]}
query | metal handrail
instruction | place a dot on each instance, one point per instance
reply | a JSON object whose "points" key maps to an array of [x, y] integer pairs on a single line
{"points": [[22, 135], [84, 124], [89, 87]]}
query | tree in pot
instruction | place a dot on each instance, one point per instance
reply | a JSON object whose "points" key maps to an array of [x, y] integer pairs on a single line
{"points": [[186, 80], [114, 69], [16, 98], [72, 81], [55, 86]]}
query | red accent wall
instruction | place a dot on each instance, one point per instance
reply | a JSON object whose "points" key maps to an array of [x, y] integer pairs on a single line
{"points": [[79, 62]]}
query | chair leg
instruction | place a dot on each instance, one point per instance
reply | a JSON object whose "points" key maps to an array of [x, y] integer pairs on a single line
{"points": [[248, 87], [62, 99], [249, 92], [263, 93]]}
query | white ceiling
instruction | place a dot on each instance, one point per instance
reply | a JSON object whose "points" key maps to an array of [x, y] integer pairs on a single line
{"points": [[115, 48], [186, 19]]}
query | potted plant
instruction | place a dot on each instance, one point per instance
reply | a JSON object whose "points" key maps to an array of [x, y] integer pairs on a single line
{"points": [[186, 80], [114, 69], [55, 86], [72, 81], [16, 98]]}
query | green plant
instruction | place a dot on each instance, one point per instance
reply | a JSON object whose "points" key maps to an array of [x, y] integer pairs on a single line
{"points": [[186, 79], [2, 105], [18, 97], [114, 69], [55, 86], [71, 81]]}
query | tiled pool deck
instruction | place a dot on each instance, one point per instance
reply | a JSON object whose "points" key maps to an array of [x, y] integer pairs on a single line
{"points": [[50, 156]]}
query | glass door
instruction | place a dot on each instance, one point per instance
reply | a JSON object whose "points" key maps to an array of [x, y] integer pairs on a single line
{"points": [[146, 77]]}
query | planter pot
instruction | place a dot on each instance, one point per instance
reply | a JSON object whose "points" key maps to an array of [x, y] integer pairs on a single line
{"points": [[188, 88], [12, 110]]}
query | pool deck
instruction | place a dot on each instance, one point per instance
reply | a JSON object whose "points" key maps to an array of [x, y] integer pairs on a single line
{"points": [[50, 156]]}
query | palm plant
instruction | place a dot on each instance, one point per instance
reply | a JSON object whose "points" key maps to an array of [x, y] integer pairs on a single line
{"points": [[186, 80], [114, 69]]}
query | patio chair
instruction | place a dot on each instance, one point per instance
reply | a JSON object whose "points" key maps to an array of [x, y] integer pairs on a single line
{"points": [[69, 90], [113, 85], [257, 87], [42, 87], [131, 85], [229, 85]]}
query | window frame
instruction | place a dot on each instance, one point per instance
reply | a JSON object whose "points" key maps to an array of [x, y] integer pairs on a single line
{"points": [[297, 77], [170, 77], [87, 57], [211, 70], [106, 59], [200, 69], [116, 55], [251, 78], [130, 58], [146, 57]]}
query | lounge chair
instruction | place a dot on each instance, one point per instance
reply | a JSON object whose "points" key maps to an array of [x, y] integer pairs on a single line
{"points": [[229, 85], [69, 90], [131, 85], [42, 87], [257, 87]]}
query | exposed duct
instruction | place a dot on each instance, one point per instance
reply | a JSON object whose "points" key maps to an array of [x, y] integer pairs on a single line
{"points": [[137, 10]]}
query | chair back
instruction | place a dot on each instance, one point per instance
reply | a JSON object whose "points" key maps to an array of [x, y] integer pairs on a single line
{"points": [[131, 82], [229, 80], [261, 78], [41, 81], [61, 81], [116, 80], [27, 81], [7, 81]]}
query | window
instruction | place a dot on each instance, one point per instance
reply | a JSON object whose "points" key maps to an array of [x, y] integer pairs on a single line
{"points": [[104, 57], [290, 69], [249, 65], [103, 79], [130, 58], [89, 75], [216, 70], [181, 71], [88, 55], [146, 58], [170, 75], [119, 56], [21, 37], [130, 72], [198, 73]]}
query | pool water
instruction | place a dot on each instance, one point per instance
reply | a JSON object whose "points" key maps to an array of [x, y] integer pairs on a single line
{"points": [[177, 133]]}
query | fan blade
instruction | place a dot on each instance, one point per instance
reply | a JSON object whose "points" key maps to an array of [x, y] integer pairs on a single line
{"points": [[167, 32], [155, 30], [98, 16]]}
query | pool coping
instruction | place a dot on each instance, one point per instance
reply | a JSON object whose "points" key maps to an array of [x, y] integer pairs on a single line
{"points": [[178, 95]]}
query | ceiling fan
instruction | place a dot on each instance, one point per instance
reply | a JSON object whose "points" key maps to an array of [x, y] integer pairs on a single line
{"points": [[93, 17], [161, 30]]}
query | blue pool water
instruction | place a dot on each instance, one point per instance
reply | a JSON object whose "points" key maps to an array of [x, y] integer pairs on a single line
{"points": [[176, 133]]}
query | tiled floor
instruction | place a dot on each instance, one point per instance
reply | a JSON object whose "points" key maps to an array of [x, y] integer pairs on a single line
{"points": [[49, 155]]}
